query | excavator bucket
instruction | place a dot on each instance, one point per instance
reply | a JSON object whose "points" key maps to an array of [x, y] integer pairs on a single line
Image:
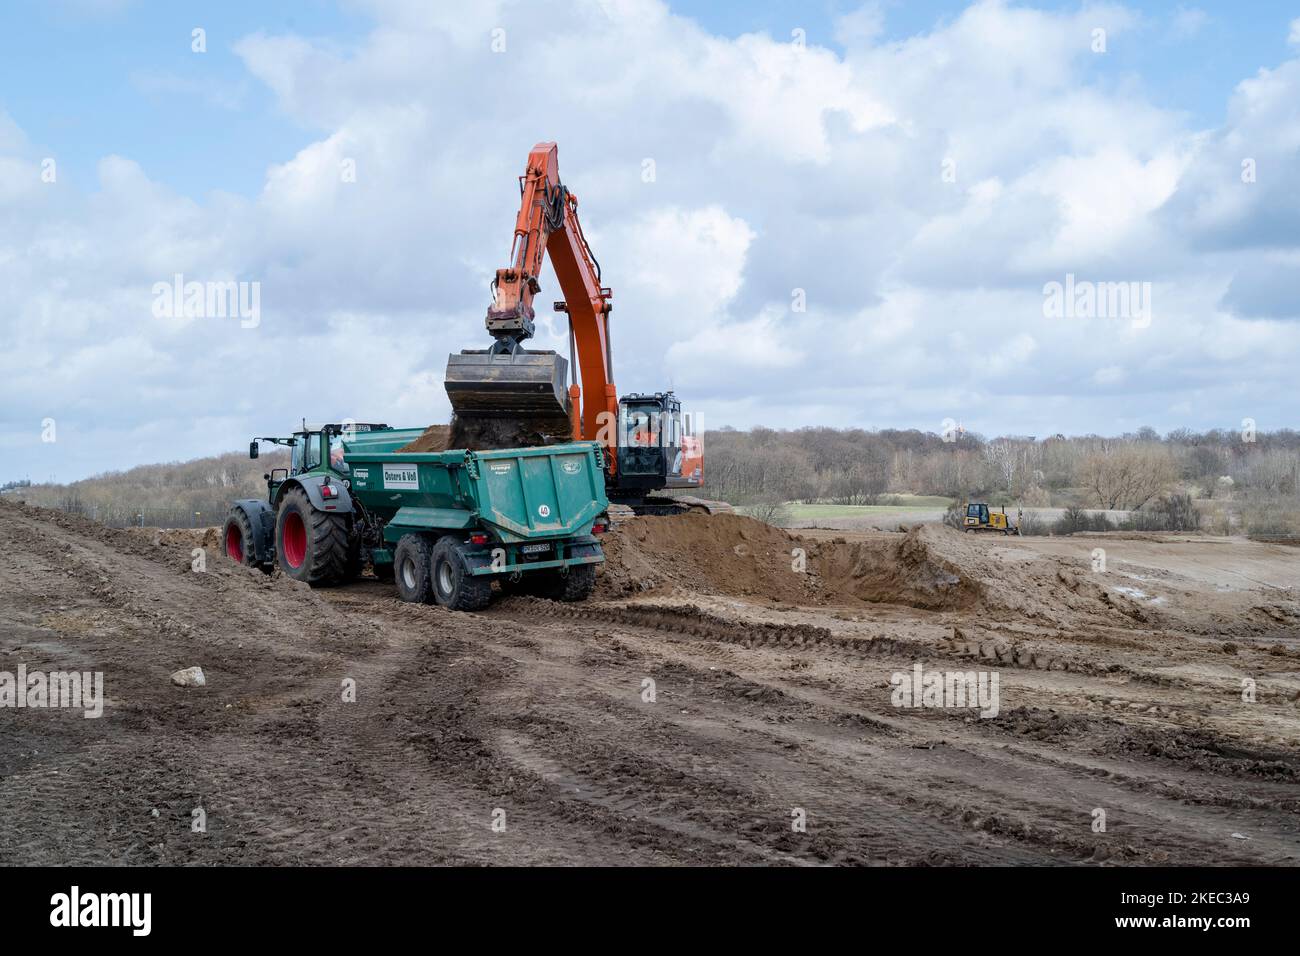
{"points": [[521, 393]]}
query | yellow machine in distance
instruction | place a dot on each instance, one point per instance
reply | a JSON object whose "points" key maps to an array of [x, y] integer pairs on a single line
{"points": [[979, 517]]}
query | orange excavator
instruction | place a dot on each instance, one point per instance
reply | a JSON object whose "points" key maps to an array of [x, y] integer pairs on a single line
{"points": [[520, 396]]}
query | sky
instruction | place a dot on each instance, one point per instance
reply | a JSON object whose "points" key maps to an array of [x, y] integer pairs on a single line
{"points": [[1028, 219]]}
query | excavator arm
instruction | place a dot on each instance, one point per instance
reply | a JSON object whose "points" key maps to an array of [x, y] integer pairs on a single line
{"points": [[507, 396], [507, 380], [548, 224]]}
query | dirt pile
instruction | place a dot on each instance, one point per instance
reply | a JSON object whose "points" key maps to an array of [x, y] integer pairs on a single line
{"points": [[925, 568], [734, 554], [726, 553], [435, 438], [929, 567]]}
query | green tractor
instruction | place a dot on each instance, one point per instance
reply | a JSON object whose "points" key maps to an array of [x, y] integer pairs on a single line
{"points": [[442, 525]]}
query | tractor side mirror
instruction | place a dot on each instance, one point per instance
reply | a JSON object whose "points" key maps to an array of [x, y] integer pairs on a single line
{"points": [[252, 449]]}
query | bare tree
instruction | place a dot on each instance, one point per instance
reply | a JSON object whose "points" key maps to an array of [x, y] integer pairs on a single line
{"points": [[1128, 475]]}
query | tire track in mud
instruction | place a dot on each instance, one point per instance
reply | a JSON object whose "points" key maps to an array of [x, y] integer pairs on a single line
{"points": [[534, 708], [1156, 828], [903, 829], [686, 622], [723, 778]]}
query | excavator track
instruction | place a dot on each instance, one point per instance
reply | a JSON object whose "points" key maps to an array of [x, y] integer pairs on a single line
{"points": [[674, 505]]}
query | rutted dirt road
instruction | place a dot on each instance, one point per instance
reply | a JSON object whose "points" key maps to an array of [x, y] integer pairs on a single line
{"points": [[772, 700]]}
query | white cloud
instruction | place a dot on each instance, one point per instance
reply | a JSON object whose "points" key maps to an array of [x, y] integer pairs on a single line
{"points": [[1110, 375], [776, 168], [1188, 21]]}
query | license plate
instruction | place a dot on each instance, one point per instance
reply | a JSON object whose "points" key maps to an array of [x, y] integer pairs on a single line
{"points": [[535, 548]]}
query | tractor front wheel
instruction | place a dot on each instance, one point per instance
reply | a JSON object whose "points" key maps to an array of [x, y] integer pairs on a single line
{"points": [[453, 586], [311, 546], [237, 539]]}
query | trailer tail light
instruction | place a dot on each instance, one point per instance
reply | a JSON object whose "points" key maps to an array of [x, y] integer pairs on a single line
{"points": [[478, 539], [599, 527]]}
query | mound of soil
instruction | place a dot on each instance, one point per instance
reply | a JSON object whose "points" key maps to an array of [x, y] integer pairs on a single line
{"points": [[725, 553], [435, 438], [929, 567], [925, 568], [734, 554]]}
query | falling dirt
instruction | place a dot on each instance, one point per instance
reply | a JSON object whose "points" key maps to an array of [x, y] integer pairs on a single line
{"points": [[485, 434], [677, 719]]}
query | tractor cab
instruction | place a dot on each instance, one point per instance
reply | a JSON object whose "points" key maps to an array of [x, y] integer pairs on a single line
{"points": [[313, 449], [657, 445]]}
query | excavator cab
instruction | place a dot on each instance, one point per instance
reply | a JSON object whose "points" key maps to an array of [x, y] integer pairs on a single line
{"points": [[654, 448]]}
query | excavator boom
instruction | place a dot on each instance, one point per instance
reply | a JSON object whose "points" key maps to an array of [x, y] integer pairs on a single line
{"points": [[507, 396], [507, 383]]}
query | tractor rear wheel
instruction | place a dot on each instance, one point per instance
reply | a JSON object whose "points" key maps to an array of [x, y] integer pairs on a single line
{"points": [[237, 539], [453, 586], [411, 569], [311, 546]]}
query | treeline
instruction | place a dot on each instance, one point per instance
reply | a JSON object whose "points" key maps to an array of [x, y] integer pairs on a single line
{"points": [[855, 466], [1259, 474], [172, 495], [1175, 511]]}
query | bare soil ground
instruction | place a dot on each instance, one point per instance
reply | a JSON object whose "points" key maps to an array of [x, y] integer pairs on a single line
{"points": [[770, 660]]}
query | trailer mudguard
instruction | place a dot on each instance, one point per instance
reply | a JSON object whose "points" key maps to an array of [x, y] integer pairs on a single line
{"points": [[340, 504], [440, 520], [262, 520]]}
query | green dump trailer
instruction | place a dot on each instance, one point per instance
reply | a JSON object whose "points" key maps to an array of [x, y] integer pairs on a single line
{"points": [[442, 525]]}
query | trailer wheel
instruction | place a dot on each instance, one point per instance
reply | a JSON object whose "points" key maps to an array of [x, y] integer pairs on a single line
{"points": [[237, 539], [411, 569], [577, 585], [453, 586], [311, 545]]}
